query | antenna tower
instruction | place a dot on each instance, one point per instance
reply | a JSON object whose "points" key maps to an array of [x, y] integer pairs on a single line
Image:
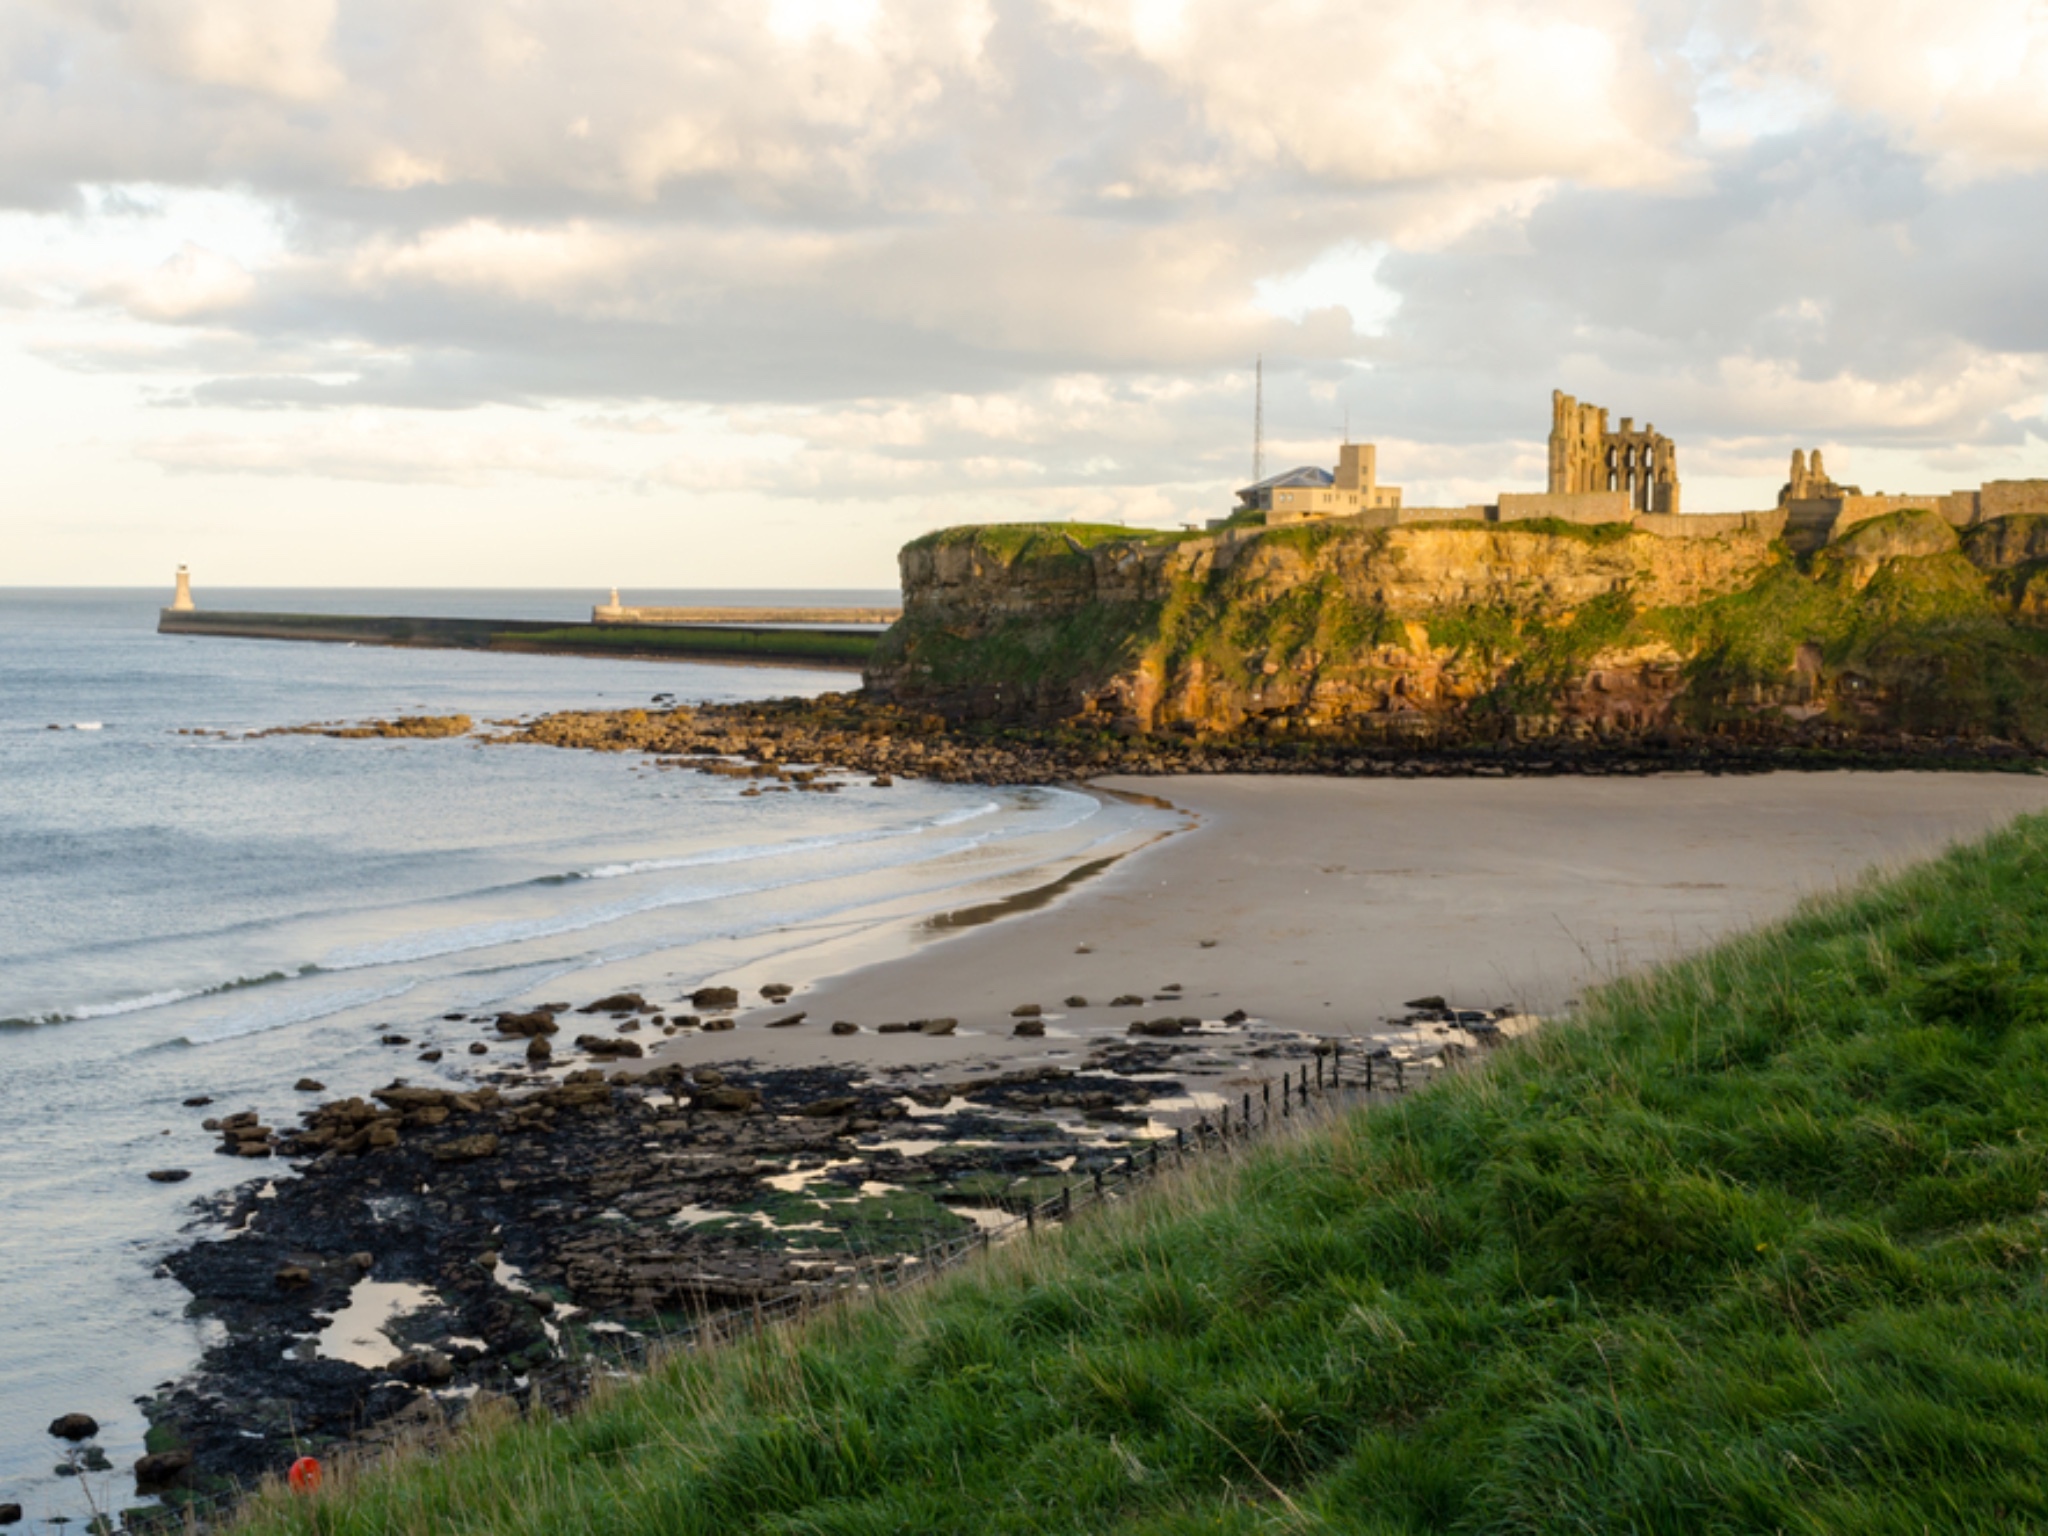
{"points": [[1259, 419]]}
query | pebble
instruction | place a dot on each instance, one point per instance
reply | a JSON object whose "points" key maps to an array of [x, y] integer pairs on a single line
{"points": [[168, 1175]]}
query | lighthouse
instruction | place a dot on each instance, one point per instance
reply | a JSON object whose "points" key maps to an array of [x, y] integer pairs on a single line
{"points": [[181, 600]]}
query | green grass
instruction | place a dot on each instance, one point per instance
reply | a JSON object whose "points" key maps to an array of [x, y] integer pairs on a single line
{"points": [[1756, 1245], [1013, 541], [818, 644]]}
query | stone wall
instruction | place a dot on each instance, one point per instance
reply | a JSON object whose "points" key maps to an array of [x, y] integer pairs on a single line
{"points": [[2012, 498], [1566, 506], [1713, 525]]}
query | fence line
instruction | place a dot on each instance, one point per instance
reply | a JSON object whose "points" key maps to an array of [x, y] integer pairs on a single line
{"points": [[561, 1387]]}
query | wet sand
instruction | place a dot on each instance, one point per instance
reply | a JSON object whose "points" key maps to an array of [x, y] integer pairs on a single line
{"points": [[1323, 904]]}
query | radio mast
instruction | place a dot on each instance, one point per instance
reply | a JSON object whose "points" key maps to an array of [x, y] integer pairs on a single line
{"points": [[1259, 419]]}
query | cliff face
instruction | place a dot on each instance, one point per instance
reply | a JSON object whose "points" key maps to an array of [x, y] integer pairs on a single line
{"points": [[1481, 631]]}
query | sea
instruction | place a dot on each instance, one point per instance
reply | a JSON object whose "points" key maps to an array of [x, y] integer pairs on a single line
{"points": [[219, 915]]}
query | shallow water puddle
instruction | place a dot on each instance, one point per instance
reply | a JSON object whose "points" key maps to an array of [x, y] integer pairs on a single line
{"points": [[798, 1180], [357, 1333]]}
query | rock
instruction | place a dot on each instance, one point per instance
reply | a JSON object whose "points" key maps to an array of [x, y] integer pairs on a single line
{"points": [[430, 1055], [452, 1018], [74, 1426], [935, 1026], [309, 1085], [363, 1261], [168, 1175], [707, 1077], [384, 1134], [715, 997], [895, 1029], [1208, 943], [1236, 1016], [539, 1022], [424, 1368], [1075, 1002], [1083, 949], [685, 1021], [1026, 1011], [618, 1002], [292, 1277], [776, 991], [466, 1149], [478, 1048], [209, 1124], [828, 1109], [882, 781], [1127, 1000], [712, 1026], [198, 1101], [10, 1514], [727, 1101], [1160, 1027], [784, 1023], [252, 1149], [1030, 1028], [538, 1049], [394, 1040], [609, 1045], [845, 1027], [1431, 1004], [160, 1469], [632, 1026]]}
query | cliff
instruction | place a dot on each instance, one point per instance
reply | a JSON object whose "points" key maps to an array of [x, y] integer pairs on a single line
{"points": [[1476, 632]]}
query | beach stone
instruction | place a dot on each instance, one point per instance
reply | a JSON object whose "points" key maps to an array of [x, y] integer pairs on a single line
{"points": [[882, 781], [168, 1175], [776, 991], [364, 1261], [384, 1134], [10, 1514], [478, 1048], [424, 1368], [784, 1023], [1083, 949], [199, 1101], [1030, 1028], [727, 1101], [1430, 1004], [538, 1049], [1208, 943], [1236, 1016], [292, 1277], [1127, 1000], [1160, 1027], [828, 1109], [1026, 1011], [896, 1029], [539, 1022], [845, 1027], [935, 1026], [708, 1077], [160, 1469], [715, 997], [618, 1002], [74, 1426], [685, 1021], [252, 1149], [631, 1026], [209, 1124], [452, 1018], [430, 1055], [309, 1085], [1075, 1002], [395, 1040], [607, 1045], [712, 1026]]}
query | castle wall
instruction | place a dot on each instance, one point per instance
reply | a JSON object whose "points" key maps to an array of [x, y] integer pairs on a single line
{"points": [[1566, 506], [1713, 525], [2012, 498]]}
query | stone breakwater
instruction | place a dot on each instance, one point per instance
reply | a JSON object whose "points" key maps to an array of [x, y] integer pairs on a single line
{"points": [[780, 745], [432, 1244]]}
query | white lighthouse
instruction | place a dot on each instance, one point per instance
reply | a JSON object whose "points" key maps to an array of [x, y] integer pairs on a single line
{"points": [[181, 600]]}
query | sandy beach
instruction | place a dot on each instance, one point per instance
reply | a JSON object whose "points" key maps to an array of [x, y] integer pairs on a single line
{"points": [[1324, 904]]}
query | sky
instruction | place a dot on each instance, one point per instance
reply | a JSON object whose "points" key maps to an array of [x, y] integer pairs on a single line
{"points": [[750, 292]]}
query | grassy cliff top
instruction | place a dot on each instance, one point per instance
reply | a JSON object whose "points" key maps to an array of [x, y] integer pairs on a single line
{"points": [[1011, 540], [1757, 1244]]}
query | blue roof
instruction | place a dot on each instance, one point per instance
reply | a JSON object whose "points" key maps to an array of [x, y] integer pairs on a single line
{"points": [[1306, 474]]}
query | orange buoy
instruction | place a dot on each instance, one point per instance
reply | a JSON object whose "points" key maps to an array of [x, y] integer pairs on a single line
{"points": [[304, 1475]]}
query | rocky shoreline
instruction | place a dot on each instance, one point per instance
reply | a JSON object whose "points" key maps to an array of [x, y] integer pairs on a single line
{"points": [[434, 1245], [778, 742]]}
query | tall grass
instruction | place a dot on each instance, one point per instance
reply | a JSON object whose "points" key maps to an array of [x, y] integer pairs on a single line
{"points": [[1757, 1244]]}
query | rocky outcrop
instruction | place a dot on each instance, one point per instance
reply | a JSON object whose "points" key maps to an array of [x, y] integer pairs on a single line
{"points": [[1466, 634]]}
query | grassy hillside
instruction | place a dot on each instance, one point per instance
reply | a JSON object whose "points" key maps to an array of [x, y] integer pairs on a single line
{"points": [[1756, 1246]]}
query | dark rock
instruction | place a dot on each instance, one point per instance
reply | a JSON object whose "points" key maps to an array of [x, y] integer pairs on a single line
{"points": [[452, 1018], [882, 781], [539, 1022], [632, 1026], [828, 1109], [394, 1040], [785, 1022], [74, 1426], [618, 1002], [1030, 1028], [430, 1055], [10, 1514], [538, 1049], [478, 1048], [168, 1175], [715, 997], [309, 1085], [1236, 1016], [291, 1277], [424, 1368], [1161, 1027], [1075, 1002], [895, 1029], [776, 991], [1208, 943], [1431, 1004], [160, 1469], [712, 1026], [198, 1101], [935, 1026], [1026, 1011], [1127, 1000], [727, 1101], [845, 1027]]}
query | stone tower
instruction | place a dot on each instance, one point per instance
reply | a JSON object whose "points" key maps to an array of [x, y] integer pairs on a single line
{"points": [[181, 600]]}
